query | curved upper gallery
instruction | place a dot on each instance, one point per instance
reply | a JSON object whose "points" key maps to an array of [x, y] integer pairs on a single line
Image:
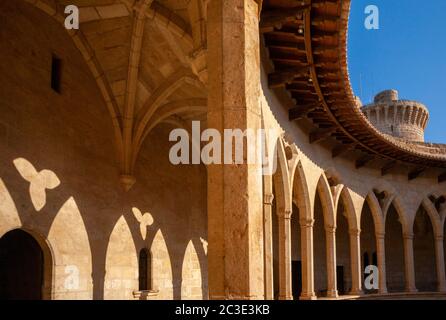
{"points": [[307, 68]]}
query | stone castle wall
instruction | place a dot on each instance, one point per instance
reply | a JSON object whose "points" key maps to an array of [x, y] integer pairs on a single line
{"points": [[88, 220]]}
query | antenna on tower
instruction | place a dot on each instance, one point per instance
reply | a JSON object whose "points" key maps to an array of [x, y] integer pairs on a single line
{"points": [[360, 85]]}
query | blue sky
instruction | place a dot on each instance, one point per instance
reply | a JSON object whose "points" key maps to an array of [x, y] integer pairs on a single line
{"points": [[407, 53]]}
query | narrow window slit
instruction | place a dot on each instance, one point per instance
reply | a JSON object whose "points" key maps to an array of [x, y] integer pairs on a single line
{"points": [[145, 270], [56, 73]]}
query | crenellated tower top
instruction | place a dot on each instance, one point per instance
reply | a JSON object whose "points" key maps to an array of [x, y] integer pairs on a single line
{"points": [[403, 119]]}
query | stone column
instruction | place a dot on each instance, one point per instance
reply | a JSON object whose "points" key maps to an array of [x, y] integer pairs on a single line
{"points": [[409, 266], [330, 239], [306, 235], [355, 256], [381, 254], [268, 236], [284, 221], [235, 210], [439, 259]]}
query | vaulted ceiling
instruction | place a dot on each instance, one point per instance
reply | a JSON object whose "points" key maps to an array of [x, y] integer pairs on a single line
{"points": [[148, 59]]}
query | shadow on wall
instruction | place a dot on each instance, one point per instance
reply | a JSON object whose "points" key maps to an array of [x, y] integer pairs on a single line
{"points": [[84, 261]]}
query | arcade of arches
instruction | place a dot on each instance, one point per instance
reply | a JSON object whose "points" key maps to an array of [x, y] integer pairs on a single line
{"points": [[92, 208]]}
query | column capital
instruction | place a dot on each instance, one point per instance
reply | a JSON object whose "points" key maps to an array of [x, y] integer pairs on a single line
{"points": [[284, 214], [380, 235], [408, 236], [306, 223], [354, 232], [330, 229], [268, 199]]}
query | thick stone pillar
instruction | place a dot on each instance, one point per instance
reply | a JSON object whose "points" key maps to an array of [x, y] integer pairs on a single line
{"points": [[235, 211], [355, 257], [285, 290], [409, 266], [268, 236], [439, 259], [381, 253], [330, 239], [307, 256]]}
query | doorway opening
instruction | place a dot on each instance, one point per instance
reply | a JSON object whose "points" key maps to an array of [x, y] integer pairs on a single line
{"points": [[23, 267]]}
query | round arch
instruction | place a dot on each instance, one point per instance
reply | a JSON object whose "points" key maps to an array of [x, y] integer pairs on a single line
{"points": [[27, 264]]}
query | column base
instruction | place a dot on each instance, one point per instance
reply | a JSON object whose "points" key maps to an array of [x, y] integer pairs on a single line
{"points": [[356, 293], [383, 291], [308, 296], [441, 289], [411, 290], [285, 297], [332, 294]]}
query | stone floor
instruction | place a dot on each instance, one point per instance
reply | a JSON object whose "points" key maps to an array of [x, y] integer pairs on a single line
{"points": [[405, 296], [393, 296]]}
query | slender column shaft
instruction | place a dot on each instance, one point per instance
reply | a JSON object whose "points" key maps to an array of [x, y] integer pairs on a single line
{"points": [[307, 255], [409, 266], [439, 258], [285, 289], [268, 236], [381, 253], [330, 238], [355, 257]]}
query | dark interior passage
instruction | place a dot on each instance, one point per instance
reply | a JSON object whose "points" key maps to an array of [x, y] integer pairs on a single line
{"points": [[368, 243], [21, 267], [394, 252]]}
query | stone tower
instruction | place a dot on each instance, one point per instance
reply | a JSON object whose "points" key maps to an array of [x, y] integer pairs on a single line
{"points": [[400, 118]]}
